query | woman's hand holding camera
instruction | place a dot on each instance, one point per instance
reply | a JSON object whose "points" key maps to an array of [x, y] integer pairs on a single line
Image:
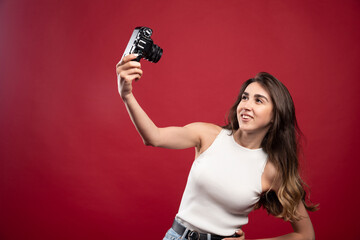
{"points": [[127, 71]]}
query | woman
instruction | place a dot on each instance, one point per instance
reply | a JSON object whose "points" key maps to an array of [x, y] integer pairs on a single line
{"points": [[249, 163]]}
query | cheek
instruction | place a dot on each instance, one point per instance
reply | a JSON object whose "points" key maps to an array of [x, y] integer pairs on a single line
{"points": [[239, 107], [267, 114], [270, 115]]}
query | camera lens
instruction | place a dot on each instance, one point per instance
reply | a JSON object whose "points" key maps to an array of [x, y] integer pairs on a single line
{"points": [[154, 54]]}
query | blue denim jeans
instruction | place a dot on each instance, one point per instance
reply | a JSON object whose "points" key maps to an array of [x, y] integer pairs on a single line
{"points": [[172, 235]]}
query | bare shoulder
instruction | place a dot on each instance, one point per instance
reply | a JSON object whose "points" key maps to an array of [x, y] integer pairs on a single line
{"points": [[202, 126], [204, 130], [207, 132], [269, 180]]}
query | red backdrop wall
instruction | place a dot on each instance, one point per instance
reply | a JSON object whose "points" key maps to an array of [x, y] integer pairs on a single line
{"points": [[74, 167]]}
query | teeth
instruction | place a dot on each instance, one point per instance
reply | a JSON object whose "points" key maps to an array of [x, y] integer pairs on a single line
{"points": [[245, 116]]}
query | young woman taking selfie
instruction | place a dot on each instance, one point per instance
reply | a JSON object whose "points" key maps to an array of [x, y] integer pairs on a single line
{"points": [[251, 162]]}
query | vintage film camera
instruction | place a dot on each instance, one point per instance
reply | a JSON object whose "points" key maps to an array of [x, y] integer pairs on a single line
{"points": [[142, 44]]}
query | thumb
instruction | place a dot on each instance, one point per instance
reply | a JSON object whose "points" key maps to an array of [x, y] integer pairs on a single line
{"points": [[240, 233]]}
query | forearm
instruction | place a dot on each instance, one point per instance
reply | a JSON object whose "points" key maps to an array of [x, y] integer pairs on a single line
{"points": [[169, 137], [302, 229], [291, 236], [148, 131]]}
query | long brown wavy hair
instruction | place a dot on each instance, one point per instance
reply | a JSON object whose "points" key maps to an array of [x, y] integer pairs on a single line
{"points": [[281, 143]]}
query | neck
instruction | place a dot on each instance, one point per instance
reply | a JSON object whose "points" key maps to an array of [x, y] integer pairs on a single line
{"points": [[249, 140]]}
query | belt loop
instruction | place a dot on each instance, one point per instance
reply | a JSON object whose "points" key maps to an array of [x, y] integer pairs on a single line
{"points": [[184, 234], [208, 236]]}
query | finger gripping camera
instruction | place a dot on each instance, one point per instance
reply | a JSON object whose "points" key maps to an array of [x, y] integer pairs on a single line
{"points": [[142, 44]]}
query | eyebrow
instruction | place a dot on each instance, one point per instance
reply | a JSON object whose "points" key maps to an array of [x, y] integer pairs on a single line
{"points": [[257, 95]]}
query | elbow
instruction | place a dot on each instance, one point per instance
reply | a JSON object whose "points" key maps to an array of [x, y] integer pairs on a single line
{"points": [[152, 140], [309, 236], [304, 235], [312, 237], [149, 143]]}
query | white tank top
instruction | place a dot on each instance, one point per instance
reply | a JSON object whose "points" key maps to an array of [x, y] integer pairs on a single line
{"points": [[223, 186]]}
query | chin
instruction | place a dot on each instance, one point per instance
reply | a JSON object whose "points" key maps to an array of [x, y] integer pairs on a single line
{"points": [[245, 128], [249, 129]]}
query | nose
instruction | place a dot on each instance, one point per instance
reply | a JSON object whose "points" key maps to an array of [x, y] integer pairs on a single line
{"points": [[247, 105]]}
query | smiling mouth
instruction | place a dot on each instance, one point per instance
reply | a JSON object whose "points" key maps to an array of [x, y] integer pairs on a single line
{"points": [[245, 116]]}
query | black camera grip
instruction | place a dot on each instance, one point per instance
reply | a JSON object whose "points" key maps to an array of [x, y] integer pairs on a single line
{"points": [[137, 58]]}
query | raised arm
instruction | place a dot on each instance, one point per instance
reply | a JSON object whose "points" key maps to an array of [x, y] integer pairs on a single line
{"points": [[169, 137]]}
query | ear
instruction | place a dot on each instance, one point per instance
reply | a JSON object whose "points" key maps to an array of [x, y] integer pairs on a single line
{"points": [[273, 116]]}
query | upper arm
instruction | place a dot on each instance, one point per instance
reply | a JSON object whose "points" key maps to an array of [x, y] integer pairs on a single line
{"points": [[191, 135], [269, 181], [304, 225]]}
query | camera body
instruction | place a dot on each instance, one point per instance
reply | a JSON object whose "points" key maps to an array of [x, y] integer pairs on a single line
{"points": [[141, 43]]}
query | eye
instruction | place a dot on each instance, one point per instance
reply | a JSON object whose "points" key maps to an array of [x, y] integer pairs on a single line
{"points": [[258, 100], [244, 97]]}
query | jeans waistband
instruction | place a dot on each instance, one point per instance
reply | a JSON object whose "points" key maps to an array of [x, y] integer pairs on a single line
{"points": [[189, 234]]}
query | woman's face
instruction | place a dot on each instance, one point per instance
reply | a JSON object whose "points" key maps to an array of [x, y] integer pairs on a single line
{"points": [[255, 110]]}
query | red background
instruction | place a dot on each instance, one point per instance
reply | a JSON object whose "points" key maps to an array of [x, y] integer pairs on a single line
{"points": [[74, 167]]}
